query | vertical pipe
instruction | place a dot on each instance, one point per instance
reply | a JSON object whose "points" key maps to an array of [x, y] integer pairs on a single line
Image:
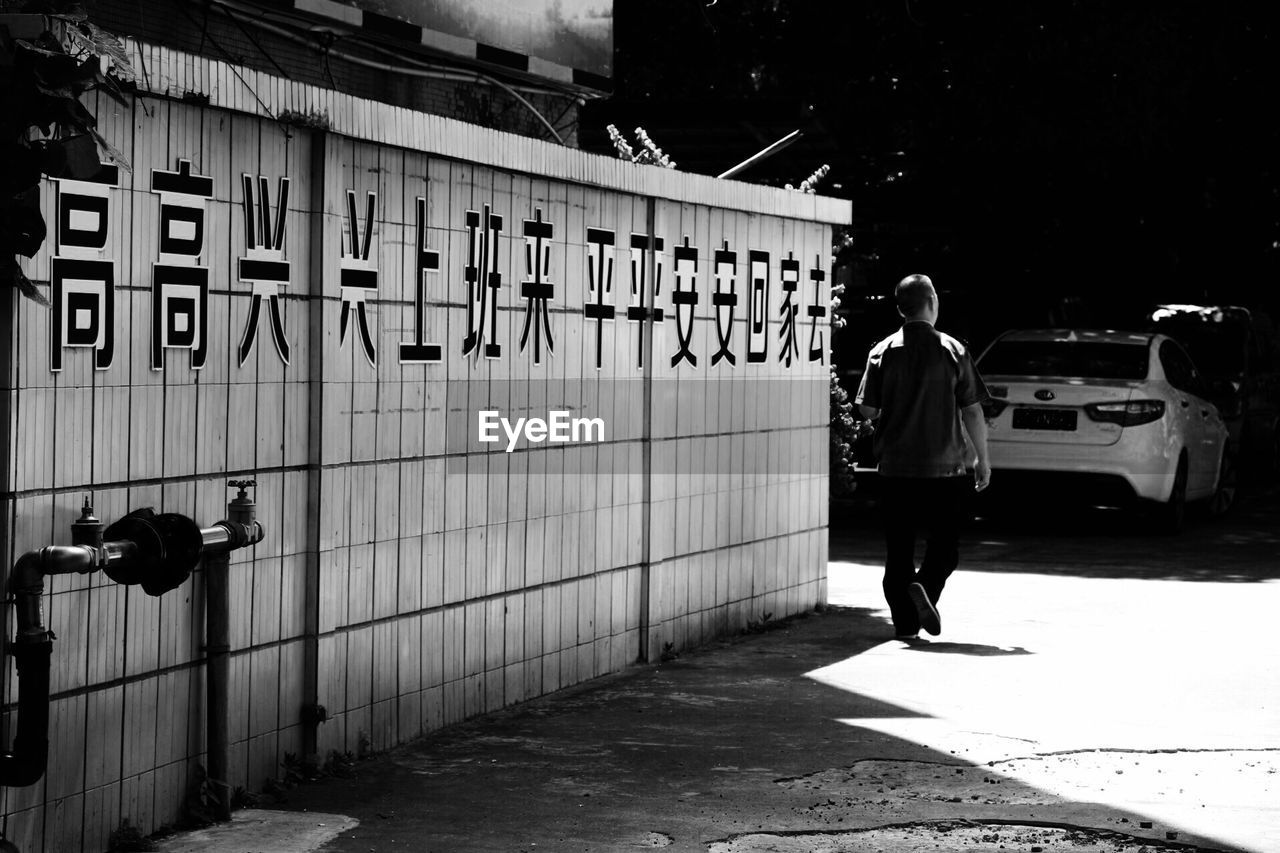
{"points": [[26, 763], [217, 655], [8, 382], [646, 479], [315, 435]]}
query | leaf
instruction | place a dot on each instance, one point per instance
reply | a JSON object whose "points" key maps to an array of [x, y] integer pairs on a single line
{"points": [[40, 51], [113, 154], [23, 169], [55, 91], [22, 226], [112, 88], [72, 73], [111, 46], [82, 43], [75, 15], [75, 114], [75, 157], [12, 274]]}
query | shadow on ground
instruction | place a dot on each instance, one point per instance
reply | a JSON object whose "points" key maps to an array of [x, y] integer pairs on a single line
{"points": [[735, 738], [1072, 539], [975, 649]]}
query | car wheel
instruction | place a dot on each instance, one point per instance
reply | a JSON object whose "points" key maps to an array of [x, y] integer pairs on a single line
{"points": [[1171, 517], [1224, 496]]}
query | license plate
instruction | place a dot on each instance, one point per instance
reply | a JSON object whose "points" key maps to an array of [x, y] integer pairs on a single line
{"points": [[1057, 419]]}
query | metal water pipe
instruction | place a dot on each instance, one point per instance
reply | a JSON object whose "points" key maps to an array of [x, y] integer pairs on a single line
{"points": [[157, 551], [239, 529], [32, 647]]}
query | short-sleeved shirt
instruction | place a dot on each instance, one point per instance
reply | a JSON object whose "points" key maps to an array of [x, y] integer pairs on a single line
{"points": [[920, 379]]}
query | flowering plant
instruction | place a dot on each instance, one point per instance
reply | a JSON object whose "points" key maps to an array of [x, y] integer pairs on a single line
{"points": [[649, 153], [810, 184]]}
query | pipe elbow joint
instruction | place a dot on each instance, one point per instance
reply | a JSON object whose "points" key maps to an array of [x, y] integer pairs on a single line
{"points": [[27, 574], [30, 569], [26, 583]]}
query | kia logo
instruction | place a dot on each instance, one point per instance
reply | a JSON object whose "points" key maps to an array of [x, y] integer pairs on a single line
{"points": [[1045, 394]]}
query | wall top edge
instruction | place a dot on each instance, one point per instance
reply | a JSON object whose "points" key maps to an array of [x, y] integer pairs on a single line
{"points": [[171, 73]]}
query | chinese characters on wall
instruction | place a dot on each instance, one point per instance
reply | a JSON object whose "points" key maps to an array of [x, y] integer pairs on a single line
{"points": [[83, 282]]}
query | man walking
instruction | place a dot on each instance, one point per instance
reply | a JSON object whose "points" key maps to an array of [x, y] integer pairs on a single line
{"points": [[921, 384]]}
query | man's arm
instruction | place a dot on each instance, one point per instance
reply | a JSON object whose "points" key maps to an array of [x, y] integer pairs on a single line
{"points": [[975, 424], [868, 396]]}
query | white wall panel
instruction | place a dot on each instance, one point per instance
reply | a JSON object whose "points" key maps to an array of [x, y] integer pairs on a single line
{"points": [[451, 577]]}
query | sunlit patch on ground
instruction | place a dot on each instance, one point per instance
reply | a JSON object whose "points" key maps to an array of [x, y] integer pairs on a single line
{"points": [[1129, 695]]}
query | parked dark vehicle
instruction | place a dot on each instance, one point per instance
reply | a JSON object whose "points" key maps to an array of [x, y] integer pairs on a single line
{"points": [[1238, 352]]}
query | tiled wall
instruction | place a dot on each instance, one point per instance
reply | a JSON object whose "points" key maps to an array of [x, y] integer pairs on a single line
{"points": [[415, 575]]}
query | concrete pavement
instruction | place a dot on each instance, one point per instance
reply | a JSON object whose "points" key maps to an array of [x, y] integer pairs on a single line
{"points": [[1061, 702]]}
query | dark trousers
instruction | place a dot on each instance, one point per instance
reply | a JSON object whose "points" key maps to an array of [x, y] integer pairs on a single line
{"points": [[941, 506]]}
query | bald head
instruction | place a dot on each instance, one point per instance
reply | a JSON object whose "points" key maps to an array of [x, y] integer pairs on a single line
{"points": [[916, 298]]}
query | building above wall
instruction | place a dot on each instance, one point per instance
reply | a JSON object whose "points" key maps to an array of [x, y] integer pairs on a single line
{"points": [[339, 53], [172, 73]]}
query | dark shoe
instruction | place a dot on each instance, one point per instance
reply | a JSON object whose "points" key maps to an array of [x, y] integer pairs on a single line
{"points": [[929, 619], [907, 638]]}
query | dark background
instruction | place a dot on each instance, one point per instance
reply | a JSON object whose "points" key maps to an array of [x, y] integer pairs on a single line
{"points": [[1046, 163]]}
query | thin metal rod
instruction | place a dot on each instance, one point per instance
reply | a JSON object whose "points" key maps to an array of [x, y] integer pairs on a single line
{"points": [[760, 155], [650, 285]]}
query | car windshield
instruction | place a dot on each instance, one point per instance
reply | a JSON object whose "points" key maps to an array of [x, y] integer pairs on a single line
{"points": [[1216, 348], [1077, 359]]}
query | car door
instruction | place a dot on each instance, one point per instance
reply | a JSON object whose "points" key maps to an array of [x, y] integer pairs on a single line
{"points": [[1216, 434], [1197, 419]]}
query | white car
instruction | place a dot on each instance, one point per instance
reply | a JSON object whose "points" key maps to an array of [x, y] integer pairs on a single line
{"points": [[1123, 414]]}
